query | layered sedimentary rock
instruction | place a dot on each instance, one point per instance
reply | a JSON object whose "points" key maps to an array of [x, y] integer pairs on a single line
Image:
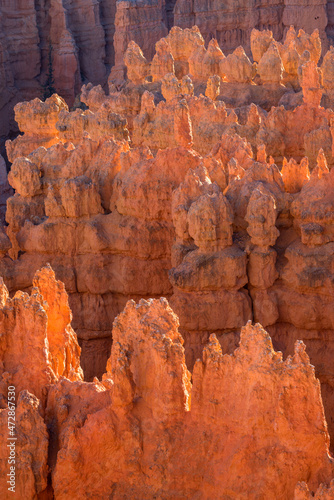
{"points": [[83, 39], [59, 53], [37, 327], [210, 271], [20, 61], [37, 120], [230, 24], [38, 347], [146, 402], [307, 16], [152, 428], [143, 22], [206, 179], [157, 190], [85, 25], [27, 453]]}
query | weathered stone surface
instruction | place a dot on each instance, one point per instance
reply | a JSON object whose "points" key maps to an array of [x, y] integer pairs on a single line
{"points": [[37, 327], [229, 23], [30, 450], [270, 67], [159, 190], [143, 22], [260, 42], [88, 37], [136, 64], [261, 218], [37, 120], [152, 404]]}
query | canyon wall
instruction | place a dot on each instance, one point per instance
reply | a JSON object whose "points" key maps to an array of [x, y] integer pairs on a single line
{"points": [[222, 203], [85, 39], [247, 425], [206, 179], [231, 23]]}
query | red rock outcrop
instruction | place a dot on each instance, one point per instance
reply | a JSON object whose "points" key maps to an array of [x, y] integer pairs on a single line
{"points": [[230, 24], [158, 434], [83, 39], [65, 186], [37, 327], [113, 206], [210, 271], [29, 450], [149, 428], [37, 120], [223, 204], [58, 44], [38, 347], [324, 492], [83, 18], [143, 22]]}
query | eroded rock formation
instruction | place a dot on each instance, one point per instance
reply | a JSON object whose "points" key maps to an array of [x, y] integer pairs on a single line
{"points": [[223, 204], [152, 429], [83, 40]]}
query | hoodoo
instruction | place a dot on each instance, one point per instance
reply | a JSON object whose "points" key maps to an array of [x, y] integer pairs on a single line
{"points": [[167, 253]]}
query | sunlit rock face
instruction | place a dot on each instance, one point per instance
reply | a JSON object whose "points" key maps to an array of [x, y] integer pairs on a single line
{"points": [[193, 199], [80, 41], [248, 407]]}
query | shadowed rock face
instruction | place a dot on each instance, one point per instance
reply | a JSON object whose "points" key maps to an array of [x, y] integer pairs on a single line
{"points": [[170, 4]]}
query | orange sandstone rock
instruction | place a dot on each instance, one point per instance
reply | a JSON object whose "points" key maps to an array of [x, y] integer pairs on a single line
{"points": [[311, 80], [163, 60], [324, 492], [30, 449], [260, 42], [270, 66], [261, 217], [146, 401], [29, 333], [136, 63], [63, 345], [37, 120], [327, 68], [209, 270], [104, 123], [295, 175], [205, 63], [237, 67], [183, 43], [213, 87]]}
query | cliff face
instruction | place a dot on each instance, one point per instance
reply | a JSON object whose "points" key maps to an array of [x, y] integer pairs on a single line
{"points": [[77, 36], [86, 38], [206, 179], [231, 23], [146, 430], [202, 206], [180, 439]]}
